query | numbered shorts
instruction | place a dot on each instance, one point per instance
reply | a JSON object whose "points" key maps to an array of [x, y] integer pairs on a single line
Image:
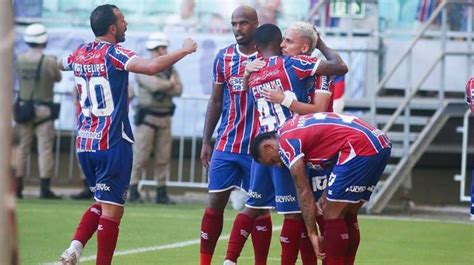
{"points": [[355, 180], [229, 171], [108, 172], [318, 179], [272, 187]]}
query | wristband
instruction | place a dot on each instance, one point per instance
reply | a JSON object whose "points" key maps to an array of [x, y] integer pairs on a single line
{"points": [[288, 99]]}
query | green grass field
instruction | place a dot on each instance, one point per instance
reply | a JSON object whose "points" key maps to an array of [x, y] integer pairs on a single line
{"points": [[152, 234]]}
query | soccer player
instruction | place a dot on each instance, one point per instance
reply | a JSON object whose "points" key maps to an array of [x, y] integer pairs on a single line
{"points": [[104, 137], [313, 140], [469, 97], [229, 167], [272, 187]]}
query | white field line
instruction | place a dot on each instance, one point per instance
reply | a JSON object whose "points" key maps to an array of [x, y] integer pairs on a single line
{"points": [[154, 248], [275, 229]]}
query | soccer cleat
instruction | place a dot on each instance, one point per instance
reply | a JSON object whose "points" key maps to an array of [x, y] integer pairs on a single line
{"points": [[229, 262], [70, 257]]}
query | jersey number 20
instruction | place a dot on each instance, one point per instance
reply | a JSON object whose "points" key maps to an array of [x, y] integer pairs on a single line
{"points": [[95, 96]]}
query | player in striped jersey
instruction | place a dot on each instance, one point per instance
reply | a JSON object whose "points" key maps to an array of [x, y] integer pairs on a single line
{"points": [[229, 166], [104, 137], [312, 140], [270, 187], [469, 100]]}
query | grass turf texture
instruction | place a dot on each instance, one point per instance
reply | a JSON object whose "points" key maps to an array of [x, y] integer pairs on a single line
{"points": [[46, 228]]}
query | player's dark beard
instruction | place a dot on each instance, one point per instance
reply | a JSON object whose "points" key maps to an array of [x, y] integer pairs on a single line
{"points": [[120, 37]]}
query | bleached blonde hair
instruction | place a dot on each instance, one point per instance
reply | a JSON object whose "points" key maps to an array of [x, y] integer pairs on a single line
{"points": [[307, 31]]}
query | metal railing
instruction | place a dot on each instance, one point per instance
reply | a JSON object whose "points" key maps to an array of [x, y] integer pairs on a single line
{"points": [[463, 176]]}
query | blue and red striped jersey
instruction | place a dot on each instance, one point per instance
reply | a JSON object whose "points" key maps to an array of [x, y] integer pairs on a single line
{"points": [[324, 84], [321, 137], [239, 120], [470, 93], [101, 76], [292, 75]]}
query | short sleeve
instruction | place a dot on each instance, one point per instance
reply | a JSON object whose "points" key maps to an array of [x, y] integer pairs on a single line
{"points": [[120, 57], [302, 65], [290, 151], [217, 69], [68, 62], [322, 85]]}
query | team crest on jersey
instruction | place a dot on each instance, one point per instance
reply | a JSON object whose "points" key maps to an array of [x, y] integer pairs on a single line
{"points": [[236, 83]]}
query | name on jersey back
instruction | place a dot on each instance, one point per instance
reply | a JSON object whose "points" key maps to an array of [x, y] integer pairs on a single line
{"points": [[90, 68]]}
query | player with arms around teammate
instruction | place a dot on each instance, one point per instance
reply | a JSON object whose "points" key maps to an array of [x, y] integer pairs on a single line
{"points": [[104, 137], [312, 140], [229, 166], [272, 187]]}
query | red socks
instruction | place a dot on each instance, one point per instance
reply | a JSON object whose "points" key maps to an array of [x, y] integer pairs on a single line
{"points": [[290, 238], [88, 224], [211, 229], [354, 238], [320, 222], [336, 241], [261, 238], [107, 235], [241, 229]]}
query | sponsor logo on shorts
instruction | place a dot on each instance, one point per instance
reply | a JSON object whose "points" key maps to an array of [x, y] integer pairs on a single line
{"points": [[356, 189], [345, 236], [284, 239], [102, 187], [255, 195], [285, 198]]}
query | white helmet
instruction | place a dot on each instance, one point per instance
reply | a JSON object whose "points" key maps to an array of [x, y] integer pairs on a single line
{"points": [[157, 39], [36, 33]]}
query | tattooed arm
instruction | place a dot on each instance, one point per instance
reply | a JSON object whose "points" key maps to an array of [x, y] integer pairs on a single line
{"points": [[307, 204]]}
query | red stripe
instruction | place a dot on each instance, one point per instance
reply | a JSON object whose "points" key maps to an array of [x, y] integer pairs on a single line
{"points": [[227, 60], [104, 141]]}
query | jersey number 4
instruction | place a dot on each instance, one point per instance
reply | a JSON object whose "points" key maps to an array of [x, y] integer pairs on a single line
{"points": [[95, 96]]}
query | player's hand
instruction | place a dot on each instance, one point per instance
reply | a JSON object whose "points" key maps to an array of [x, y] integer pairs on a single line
{"points": [[273, 95], [321, 204], [206, 151], [254, 66], [189, 45], [317, 242]]}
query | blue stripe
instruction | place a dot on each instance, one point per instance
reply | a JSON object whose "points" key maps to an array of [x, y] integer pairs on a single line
{"points": [[231, 137]]}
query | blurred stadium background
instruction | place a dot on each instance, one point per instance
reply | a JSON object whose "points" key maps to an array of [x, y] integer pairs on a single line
{"points": [[409, 61]]}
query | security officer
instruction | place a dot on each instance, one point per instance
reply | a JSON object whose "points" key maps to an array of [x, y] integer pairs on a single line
{"points": [[37, 74], [153, 121]]}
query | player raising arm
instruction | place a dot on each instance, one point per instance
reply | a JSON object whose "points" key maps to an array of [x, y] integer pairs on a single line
{"points": [[104, 136]]}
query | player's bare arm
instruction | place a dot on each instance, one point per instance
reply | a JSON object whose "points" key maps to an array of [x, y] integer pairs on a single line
{"points": [[307, 204], [320, 101], [250, 68], [334, 65], [213, 113], [158, 64]]}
